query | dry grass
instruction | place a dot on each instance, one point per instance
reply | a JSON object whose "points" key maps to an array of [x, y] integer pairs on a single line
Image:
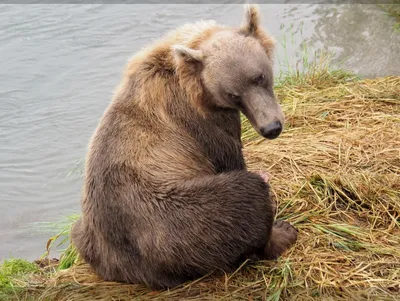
{"points": [[335, 173]]}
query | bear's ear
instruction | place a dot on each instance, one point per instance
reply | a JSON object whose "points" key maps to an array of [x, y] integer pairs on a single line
{"points": [[251, 20], [251, 27], [187, 54]]}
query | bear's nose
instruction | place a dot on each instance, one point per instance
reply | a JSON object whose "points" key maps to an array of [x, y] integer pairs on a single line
{"points": [[272, 130]]}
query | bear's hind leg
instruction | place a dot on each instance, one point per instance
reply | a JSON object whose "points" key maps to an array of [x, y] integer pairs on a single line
{"points": [[210, 223], [283, 236]]}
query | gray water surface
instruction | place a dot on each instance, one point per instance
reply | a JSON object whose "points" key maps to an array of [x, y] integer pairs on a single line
{"points": [[59, 65]]}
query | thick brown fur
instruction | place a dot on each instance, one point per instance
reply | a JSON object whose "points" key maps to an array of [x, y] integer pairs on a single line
{"points": [[167, 197]]}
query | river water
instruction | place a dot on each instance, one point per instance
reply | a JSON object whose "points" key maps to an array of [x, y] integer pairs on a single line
{"points": [[59, 65]]}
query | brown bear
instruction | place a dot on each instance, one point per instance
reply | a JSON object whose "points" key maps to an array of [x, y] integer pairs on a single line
{"points": [[167, 197]]}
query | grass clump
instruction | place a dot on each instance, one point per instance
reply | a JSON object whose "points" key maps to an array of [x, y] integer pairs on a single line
{"points": [[13, 276], [335, 174], [61, 239]]}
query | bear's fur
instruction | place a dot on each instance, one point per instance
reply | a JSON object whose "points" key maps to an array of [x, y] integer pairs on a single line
{"points": [[167, 197]]}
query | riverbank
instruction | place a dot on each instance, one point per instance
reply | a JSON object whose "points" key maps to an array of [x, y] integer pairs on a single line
{"points": [[335, 175]]}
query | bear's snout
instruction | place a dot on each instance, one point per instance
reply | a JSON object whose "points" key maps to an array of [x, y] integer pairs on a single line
{"points": [[272, 130]]}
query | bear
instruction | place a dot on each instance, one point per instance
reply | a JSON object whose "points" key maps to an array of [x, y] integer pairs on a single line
{"points": [[167, 197]]}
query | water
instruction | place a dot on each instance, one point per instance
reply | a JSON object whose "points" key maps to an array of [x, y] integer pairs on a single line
{"points": [[59, 65]]}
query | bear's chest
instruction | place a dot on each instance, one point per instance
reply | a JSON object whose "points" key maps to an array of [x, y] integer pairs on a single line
{"points": [[225, 153], [219, 140]]}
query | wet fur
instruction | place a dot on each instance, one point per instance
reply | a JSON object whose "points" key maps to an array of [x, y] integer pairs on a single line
{"points": [[167, 197]]}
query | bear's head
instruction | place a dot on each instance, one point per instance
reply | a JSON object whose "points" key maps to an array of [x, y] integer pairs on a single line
{"points": [[235, 69]]}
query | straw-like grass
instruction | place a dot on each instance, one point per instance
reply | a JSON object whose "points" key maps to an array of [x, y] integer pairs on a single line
{"points": [[335, 174]]}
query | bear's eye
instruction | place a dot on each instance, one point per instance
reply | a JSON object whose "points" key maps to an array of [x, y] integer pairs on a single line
{"points": [[234, 97], [259, 79]]}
